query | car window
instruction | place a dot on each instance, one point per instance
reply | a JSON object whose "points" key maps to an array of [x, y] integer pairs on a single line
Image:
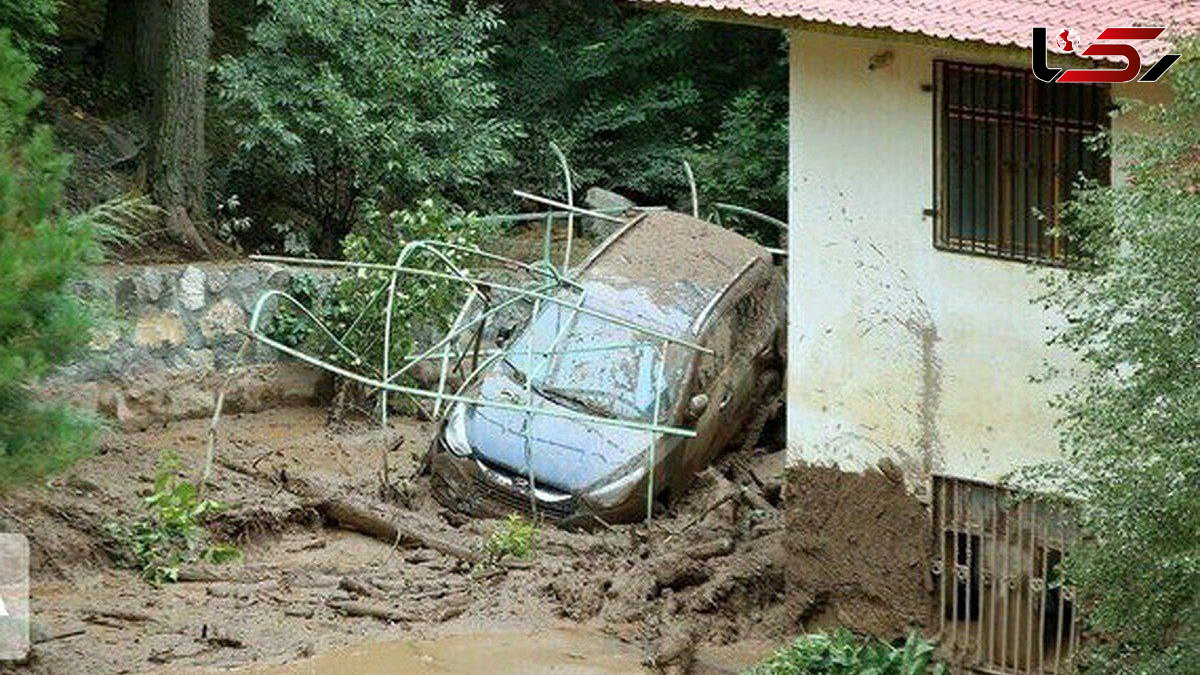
{"points": [[580, 359]]}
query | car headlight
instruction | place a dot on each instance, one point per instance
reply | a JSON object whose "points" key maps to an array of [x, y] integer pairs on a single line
{"points": [[455, 435]]}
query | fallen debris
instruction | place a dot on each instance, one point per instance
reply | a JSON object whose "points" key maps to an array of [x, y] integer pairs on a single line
{"points": [[378, 521], [62, 634], [374, 611], [720, 582], [96, 615]]}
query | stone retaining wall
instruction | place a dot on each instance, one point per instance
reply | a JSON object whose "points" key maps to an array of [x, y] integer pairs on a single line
{"points": [[173, 334]]}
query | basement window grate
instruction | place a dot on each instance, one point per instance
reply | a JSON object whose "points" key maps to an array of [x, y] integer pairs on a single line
{"points": [[1002, 606], [1007, 150]]}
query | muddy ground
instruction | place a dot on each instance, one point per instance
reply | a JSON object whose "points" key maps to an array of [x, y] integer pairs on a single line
{"points": [[707, 572]]}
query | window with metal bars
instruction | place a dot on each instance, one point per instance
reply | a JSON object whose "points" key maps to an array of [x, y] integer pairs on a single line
{"points": [[1007, 150], [1003, 606]]}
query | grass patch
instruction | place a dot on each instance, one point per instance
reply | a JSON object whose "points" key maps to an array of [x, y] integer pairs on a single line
{"points": [[843, 653], [172, 532], [516, 537]]}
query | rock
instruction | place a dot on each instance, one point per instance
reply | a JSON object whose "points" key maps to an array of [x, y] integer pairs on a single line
{"points": [[217, 281], [124, 294], [223, 318], [243, 277], [149, 285], [157, 329], [599, 199], [104, 338], [191, 288], [278, 277], [200, 359]]}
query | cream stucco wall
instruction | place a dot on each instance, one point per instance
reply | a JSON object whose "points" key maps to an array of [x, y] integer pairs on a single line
{"points": [[896, 349]]}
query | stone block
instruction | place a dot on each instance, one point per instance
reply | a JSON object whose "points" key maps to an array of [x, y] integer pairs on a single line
{"points": [[223, 318], [191, 288], [159, 328]]}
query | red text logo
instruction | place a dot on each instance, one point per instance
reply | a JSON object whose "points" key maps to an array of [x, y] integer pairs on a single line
{"points": [[1111, 42]]}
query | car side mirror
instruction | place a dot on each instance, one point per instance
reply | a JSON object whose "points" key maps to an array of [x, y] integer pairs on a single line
{"points": [[698, 405]]}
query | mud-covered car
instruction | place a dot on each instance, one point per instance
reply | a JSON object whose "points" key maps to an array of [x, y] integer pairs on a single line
{"points": [[678, 275]]}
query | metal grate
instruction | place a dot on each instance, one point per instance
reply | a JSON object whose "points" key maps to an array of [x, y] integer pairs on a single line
{"points": [[504, 500], [1002, 607], [1007, 150]]}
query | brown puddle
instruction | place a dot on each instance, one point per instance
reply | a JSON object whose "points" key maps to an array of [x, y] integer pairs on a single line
{"points": [[547, 652]]}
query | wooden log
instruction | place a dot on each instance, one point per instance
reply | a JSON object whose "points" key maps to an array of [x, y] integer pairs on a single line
{"points": [[357, 587], [354, 608], [378, 522], [375, 520]]}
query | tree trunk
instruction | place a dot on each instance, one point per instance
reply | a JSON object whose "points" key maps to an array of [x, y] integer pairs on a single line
{"points": [[120, 43], [149, 28], [175, 170]]}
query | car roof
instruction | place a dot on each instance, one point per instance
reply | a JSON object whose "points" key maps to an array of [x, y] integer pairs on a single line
{"points": [[676, 260]]}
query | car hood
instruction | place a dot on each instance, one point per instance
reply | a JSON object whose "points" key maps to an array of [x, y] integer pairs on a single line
{"points": [[567, 455]]}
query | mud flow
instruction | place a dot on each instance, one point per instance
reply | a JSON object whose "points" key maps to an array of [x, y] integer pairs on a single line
{"points": [[349, 566], [554, 652]]}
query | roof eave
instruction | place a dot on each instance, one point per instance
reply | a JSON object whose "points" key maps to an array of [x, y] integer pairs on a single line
{"points": [[735, 16], [740, 17]]}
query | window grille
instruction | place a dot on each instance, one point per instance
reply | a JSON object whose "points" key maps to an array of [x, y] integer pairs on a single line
{"points": [[1007, 150], [1002, 607]]}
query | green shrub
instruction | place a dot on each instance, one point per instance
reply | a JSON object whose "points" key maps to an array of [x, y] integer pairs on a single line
{"points": [[339, 104], [1131, 415], [514, 538], [625, 92], [842, 653], [43, 251], [172, 532], [745, 164], [32, 24], [352, 306]]}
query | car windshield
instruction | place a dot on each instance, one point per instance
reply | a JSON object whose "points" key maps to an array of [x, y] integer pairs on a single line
{"points": [[584, 361]]}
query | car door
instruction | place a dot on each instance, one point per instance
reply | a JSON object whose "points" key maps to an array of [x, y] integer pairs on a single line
{"points": [[737, 331]]}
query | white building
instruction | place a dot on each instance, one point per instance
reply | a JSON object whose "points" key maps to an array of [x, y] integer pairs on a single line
{"points": [[921, 146]]}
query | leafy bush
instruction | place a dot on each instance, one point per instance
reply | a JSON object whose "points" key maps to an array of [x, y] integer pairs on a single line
{"points": [[42, 252], [625, 92], [31, 23], [841, 653], [514, 538], [172, 533], [352, 305], [337, 104], [746, 162], [1131, 415]]}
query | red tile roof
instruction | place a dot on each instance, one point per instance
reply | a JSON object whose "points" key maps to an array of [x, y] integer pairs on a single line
{"points": [[997, 22]]}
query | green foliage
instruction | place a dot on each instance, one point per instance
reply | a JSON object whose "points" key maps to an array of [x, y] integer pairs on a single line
{"points": [[172, 532], [31, 23], [841, 653], [1131, 414], [43, 251], [353, 306], [514, 538], [337, 104], [626, 93], [746, 161]]}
